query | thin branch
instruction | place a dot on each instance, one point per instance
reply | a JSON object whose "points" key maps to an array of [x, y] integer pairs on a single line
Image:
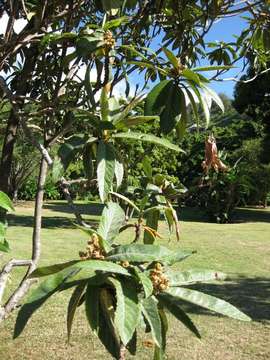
{"points": [[65, 188], [4, 274]]}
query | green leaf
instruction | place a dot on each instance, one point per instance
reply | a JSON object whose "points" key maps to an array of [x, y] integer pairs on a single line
{"points": [[72, 306], [134, 121], [147, 168], [171, 57], [164, 100], [5, 202], [124, 198], [115, 23], [183, 118], [145, 253], [169, 302], [91, 265], [38, 296], [136, 136], [133, 51], [107, 333], [71, 148], [119, 171], [156, 98], [4, 246], [127, 313], [105, 169], [213, 95], [104, 105], [194, 105], [179, 278], [212, 68], [88, 87], [145, 282], [152, 219], [203, 103], [112, 219], [208, 302], [52, 269], [192, 76], [150, 311], [125, 111], [92, 307]]}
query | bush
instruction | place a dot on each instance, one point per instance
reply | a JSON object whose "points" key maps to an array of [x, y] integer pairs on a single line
{"points": [[29, 189]]}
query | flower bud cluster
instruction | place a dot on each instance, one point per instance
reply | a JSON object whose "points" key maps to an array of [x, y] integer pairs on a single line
{"points": [[93, 249], [158, 278], [109, 39]]}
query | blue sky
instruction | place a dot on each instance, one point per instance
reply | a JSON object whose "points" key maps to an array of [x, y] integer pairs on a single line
{"points": [[224, 31]]}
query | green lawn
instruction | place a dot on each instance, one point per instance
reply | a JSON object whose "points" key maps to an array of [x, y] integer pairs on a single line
{"points": [[242, 250]]}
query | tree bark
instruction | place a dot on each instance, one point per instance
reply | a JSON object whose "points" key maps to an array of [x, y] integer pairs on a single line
{"points": [[22, 289]]}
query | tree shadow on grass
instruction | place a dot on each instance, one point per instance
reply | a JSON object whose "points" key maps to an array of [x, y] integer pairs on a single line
{"points": [[47, 221], [241, 215], [94, 209], [250, 295], [251, 214]]}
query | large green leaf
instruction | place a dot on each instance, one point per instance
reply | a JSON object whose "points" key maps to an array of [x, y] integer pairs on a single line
{"points": [[179, 278], [92, 307], [119, 170], [174, 308], [150, 311], [105, 168], [164, 100], [192, 76], [146, 253], [134, 121], [52, 269], [5, 202], [136, 136], [71, 148], [106, 332], [115, 23], [127, 313], [183, 118], [72, 306], [112, 218], [156, 98], [171, 57], [214, 96], [208, 302], [145, 282], [38, 296], [91, 265]]}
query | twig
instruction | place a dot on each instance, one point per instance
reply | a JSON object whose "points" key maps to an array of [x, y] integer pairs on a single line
{"points": [[65, 188]]}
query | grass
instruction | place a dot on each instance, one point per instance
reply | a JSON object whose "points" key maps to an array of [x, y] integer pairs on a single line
{"points": [[242, 250]]}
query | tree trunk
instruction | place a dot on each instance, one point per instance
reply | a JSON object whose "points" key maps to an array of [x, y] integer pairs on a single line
{"points": [[7, 153], [13, 122]]}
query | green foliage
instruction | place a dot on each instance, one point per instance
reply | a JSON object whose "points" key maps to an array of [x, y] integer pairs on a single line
{"points": [[6, 204], [29, 189], [117, 291]]}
